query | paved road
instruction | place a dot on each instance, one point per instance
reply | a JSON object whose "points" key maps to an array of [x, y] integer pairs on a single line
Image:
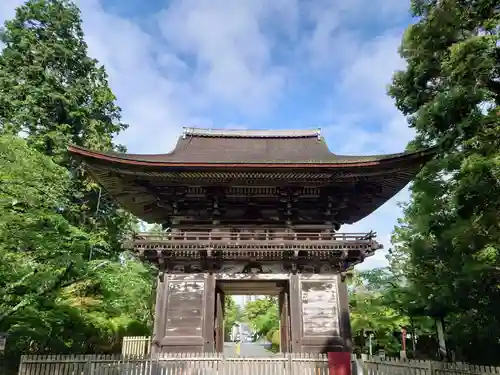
{"points": [[248, 349]]}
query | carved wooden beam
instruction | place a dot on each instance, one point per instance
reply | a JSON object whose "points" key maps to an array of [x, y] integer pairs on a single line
{"points": [[288, 197], [215, 197], [168, 197]]}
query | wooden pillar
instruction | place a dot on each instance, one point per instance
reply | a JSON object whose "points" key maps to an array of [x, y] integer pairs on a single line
{"points": [[159, 322], [339, 361], [319, 313], [209, 314], [295, 314], [284, 322], [182, 313], [219, 321], [345, 320]]}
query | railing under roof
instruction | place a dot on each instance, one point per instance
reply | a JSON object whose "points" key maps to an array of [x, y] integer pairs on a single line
{"points": [[245, 239]]}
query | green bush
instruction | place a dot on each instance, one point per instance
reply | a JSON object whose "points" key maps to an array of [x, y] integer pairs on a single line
{"points": [[274, 337]]}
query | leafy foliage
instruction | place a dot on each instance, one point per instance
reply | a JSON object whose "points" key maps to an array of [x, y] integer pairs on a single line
{"points": [[449, 240], [44, 67], [232, 314], [54, 300], [47, 250], [379, 303], [54, 94], [263, 316], [65, 283]]}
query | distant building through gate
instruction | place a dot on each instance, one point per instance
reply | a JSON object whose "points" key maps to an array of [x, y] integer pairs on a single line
{"points": [[252, 212]]}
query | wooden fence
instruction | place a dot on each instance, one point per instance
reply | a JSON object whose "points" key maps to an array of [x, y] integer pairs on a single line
{"points": [[393, 366], [216, 364], [137, 346], [174, 364]]}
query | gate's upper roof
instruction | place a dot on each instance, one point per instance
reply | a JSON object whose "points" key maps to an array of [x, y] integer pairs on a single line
{"points": [[145, 184], [211, 147]]}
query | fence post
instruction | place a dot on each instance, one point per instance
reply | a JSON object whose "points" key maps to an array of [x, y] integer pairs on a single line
{"points": [[288, 365], [21, 365], [90, 366], [359, 366], [430, 368]]}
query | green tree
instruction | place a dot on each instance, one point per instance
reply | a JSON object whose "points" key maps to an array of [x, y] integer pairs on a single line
{"points": [[449, 238], [65, 283], [54, 94], [232, 314], [40, 250], [53, 299], [263, 316], [51, 89], [378, 303]]}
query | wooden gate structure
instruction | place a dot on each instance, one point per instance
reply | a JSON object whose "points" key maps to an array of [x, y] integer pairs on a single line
{"points": [[252, 212]]}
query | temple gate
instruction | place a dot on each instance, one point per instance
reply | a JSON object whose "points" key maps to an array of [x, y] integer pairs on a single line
{"points": [[252, 212]]}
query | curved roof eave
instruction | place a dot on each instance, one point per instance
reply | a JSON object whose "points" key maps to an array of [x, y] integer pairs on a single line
{"points": [[339, 162]]}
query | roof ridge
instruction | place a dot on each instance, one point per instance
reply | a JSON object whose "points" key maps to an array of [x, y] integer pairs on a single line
{"points": [[244, 133]]}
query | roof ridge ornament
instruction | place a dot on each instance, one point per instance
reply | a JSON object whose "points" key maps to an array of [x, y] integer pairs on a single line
{"points": [[243, 133]]}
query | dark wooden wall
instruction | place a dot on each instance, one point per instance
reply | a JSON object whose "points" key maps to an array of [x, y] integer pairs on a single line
{"points": [[184, 317], [314, 314]]}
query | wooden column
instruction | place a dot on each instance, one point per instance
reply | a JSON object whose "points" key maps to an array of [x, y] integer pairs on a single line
{"points": [[295, 314], [209, 314], [219, 321], [160, 303], [182, 313], [319, 314], [345, 320], [284, 310]]}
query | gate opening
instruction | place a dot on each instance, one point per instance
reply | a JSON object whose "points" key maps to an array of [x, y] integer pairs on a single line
{"points": [[266, 303]]}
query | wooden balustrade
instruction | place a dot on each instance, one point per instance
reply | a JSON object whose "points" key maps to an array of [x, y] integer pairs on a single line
{"points": [[251, 236]]}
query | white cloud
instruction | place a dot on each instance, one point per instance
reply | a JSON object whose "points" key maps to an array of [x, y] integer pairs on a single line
{"points": [[154, 103], [242, 55], [364, 80], [229, 47]]}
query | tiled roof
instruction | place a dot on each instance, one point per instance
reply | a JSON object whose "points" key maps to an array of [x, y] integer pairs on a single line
{"points": [[206, 146]]}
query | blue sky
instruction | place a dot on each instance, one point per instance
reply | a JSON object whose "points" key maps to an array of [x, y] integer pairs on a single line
{"points": [[255, 64]]}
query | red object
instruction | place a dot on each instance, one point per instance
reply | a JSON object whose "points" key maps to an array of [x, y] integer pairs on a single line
{"points": [[339, 363], [403, 338]]}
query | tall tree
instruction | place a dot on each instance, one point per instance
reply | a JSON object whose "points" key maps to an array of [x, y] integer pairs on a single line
{"points": [[53, 299], [450, 236], [62, 286], [40, 251], [53, 94], [52, 90], [379, 306]]}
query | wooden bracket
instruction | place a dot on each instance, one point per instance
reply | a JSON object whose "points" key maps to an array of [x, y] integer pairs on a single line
{"points": [[161, 260], [343, 276]]}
